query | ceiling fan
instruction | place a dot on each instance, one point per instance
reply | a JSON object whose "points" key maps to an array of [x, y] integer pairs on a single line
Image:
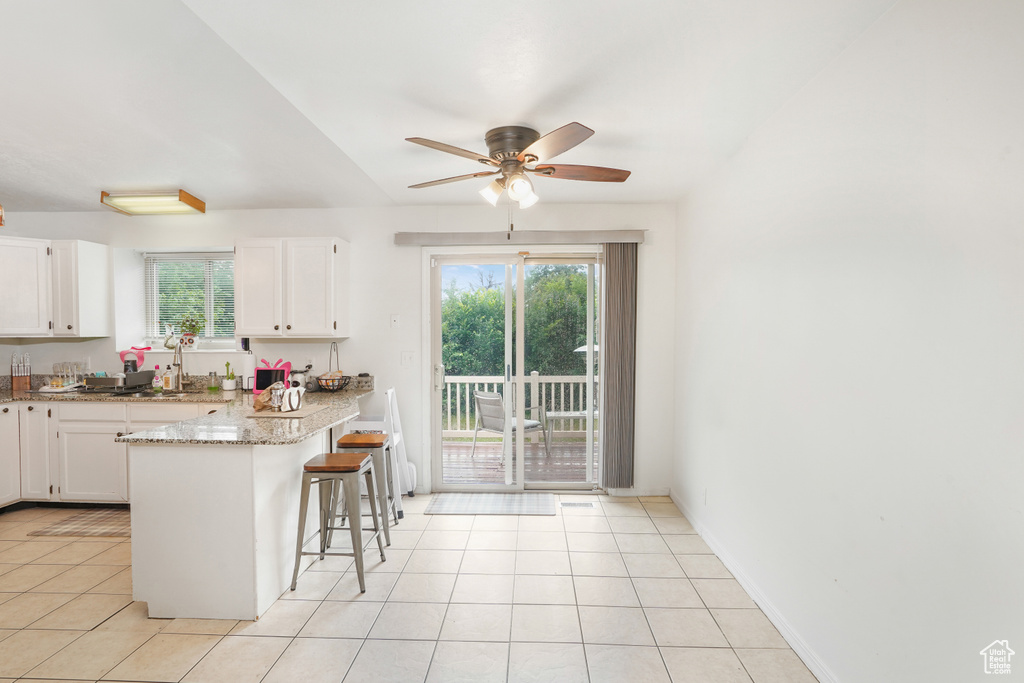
{"points": [[515, 151]]}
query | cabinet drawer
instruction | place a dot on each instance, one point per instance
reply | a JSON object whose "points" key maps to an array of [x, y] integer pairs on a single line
{"points": [[81, 412], [163, 414]]}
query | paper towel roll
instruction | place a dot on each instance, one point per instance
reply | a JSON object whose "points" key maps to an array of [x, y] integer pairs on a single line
{"points": [[247, 371]]}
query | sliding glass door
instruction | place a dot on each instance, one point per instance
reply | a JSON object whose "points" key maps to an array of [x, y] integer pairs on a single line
{"points": [[483, 401], [560, 297], [473, 301]]}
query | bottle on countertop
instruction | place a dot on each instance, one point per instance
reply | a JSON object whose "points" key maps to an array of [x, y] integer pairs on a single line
{"points": [[158, 381], [168, 379]]}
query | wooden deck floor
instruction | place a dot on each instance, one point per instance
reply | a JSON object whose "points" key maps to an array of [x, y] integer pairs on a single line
{"points": [[567, 463]]}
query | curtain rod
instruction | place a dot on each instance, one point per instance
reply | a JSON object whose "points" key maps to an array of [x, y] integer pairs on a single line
{"points": [[469, 239]]}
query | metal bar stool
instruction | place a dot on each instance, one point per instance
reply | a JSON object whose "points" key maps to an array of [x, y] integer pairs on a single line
{"points": [[379, 446], [331, 471]]}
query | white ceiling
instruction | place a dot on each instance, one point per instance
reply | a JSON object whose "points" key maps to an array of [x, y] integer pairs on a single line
{"points": [[271, 104]]}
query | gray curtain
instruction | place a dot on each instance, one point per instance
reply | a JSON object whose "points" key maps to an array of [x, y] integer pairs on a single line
{"points": [[618, 369]]}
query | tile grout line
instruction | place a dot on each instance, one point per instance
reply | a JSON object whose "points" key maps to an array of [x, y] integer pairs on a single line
{"points": [[661, 654], [575, 597]]}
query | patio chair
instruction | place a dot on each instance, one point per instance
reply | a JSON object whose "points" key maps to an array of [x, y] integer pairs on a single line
{"points": [[490, 417]]}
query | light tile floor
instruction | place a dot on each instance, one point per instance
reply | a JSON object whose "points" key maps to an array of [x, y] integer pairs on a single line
{"points": [[622, 592]]}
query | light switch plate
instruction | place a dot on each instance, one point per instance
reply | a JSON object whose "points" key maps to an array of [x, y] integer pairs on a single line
{"points": [[407, 357]]}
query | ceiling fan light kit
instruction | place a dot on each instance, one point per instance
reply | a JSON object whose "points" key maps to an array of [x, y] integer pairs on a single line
{"points": [[141, 204], [493, 191], [528, 201], [519, 187], [512, 150]]}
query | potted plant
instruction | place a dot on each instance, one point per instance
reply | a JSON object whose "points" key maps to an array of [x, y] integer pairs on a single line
{"points": [[191, 324], [229, 383]]}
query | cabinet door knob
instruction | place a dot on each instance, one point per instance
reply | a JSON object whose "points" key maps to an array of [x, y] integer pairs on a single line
{"points": [[288, 327], [209, 413], [120, 433], [277, 327], [31, 408], [69, 327], [6, 409]]}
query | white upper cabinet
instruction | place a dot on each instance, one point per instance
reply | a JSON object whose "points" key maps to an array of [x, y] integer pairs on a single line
{"points": [[81, 289], [258, 296], [59, 288], [292, 287], [24, 287]]}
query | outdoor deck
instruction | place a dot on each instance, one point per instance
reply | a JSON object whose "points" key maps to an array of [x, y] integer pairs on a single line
{"points": [[567, 462]]}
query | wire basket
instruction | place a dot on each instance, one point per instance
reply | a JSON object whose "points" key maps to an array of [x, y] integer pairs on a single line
{"points": [[333, 383]]}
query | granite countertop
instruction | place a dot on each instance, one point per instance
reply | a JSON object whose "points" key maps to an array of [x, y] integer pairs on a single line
{"points": [[232, 425], [188, 396]]}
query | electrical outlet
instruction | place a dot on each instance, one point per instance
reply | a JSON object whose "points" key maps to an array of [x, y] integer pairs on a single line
{"points": [[407, 357], [395, 322]]}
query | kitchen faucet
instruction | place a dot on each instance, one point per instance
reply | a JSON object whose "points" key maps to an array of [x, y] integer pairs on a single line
{"points": [[179, 375]]}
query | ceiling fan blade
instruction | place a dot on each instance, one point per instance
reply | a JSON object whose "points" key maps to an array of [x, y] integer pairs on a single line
{"points": [[453, 179], [457, 151], [556, 142], [572, 172]]}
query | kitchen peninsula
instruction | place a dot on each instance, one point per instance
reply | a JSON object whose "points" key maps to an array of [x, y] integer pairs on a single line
{"points": [[215, 504]]}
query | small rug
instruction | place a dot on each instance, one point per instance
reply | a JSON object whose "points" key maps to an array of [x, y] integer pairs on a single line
{"points": [[95, 522], [491, 504]]}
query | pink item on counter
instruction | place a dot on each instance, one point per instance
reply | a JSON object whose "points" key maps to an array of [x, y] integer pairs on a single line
{"points": [[268, 375], [139, 353]]}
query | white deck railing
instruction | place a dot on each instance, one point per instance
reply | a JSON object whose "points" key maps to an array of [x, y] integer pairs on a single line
{"points": [[558, 394]]}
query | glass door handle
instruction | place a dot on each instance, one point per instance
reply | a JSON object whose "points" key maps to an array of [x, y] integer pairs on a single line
{"points": [[508, 373]]}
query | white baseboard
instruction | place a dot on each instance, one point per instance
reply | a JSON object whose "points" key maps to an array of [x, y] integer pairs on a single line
{"points": [[799, 645], [639, 492]]}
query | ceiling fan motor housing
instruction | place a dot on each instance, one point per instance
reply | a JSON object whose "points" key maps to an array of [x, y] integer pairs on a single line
{"points": [[507, 142]]}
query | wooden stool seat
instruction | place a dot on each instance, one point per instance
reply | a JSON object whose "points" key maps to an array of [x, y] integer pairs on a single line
{"points": [[363, 441], [380, 448], [337, 475], [337, 462]]}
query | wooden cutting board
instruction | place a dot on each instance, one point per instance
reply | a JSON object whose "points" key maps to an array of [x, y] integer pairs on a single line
{"points": [[293, 415]]}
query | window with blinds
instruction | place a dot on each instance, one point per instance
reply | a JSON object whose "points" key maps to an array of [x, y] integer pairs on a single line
{"points": [[191, 284]]}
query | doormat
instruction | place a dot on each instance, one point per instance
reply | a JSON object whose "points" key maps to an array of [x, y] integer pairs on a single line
{"points": [[95, 522], [491, 504]]}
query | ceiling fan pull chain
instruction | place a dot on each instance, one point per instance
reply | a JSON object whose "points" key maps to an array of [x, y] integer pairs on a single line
{"points": [[511, 227]]}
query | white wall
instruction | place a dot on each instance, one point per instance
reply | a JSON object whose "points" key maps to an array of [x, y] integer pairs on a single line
{"points": [[386, 280], [851, 341]]}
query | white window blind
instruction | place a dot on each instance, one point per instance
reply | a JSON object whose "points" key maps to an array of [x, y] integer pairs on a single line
{"points": [[192, 283]]}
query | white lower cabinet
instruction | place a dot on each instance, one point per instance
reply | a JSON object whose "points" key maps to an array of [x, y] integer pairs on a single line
{"points": [[67, 452], [36, 436], [10, 455], [93, 468]]}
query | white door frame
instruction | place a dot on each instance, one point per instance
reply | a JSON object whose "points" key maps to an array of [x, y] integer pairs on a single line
{"points": [[512, 384], [433, 380]]}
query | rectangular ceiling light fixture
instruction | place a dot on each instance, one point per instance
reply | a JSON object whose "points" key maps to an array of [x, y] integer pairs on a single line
{"points": [[160, 202]]}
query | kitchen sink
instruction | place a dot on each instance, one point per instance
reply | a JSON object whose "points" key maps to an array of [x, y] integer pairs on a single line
{"points": [[168, 394]]}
